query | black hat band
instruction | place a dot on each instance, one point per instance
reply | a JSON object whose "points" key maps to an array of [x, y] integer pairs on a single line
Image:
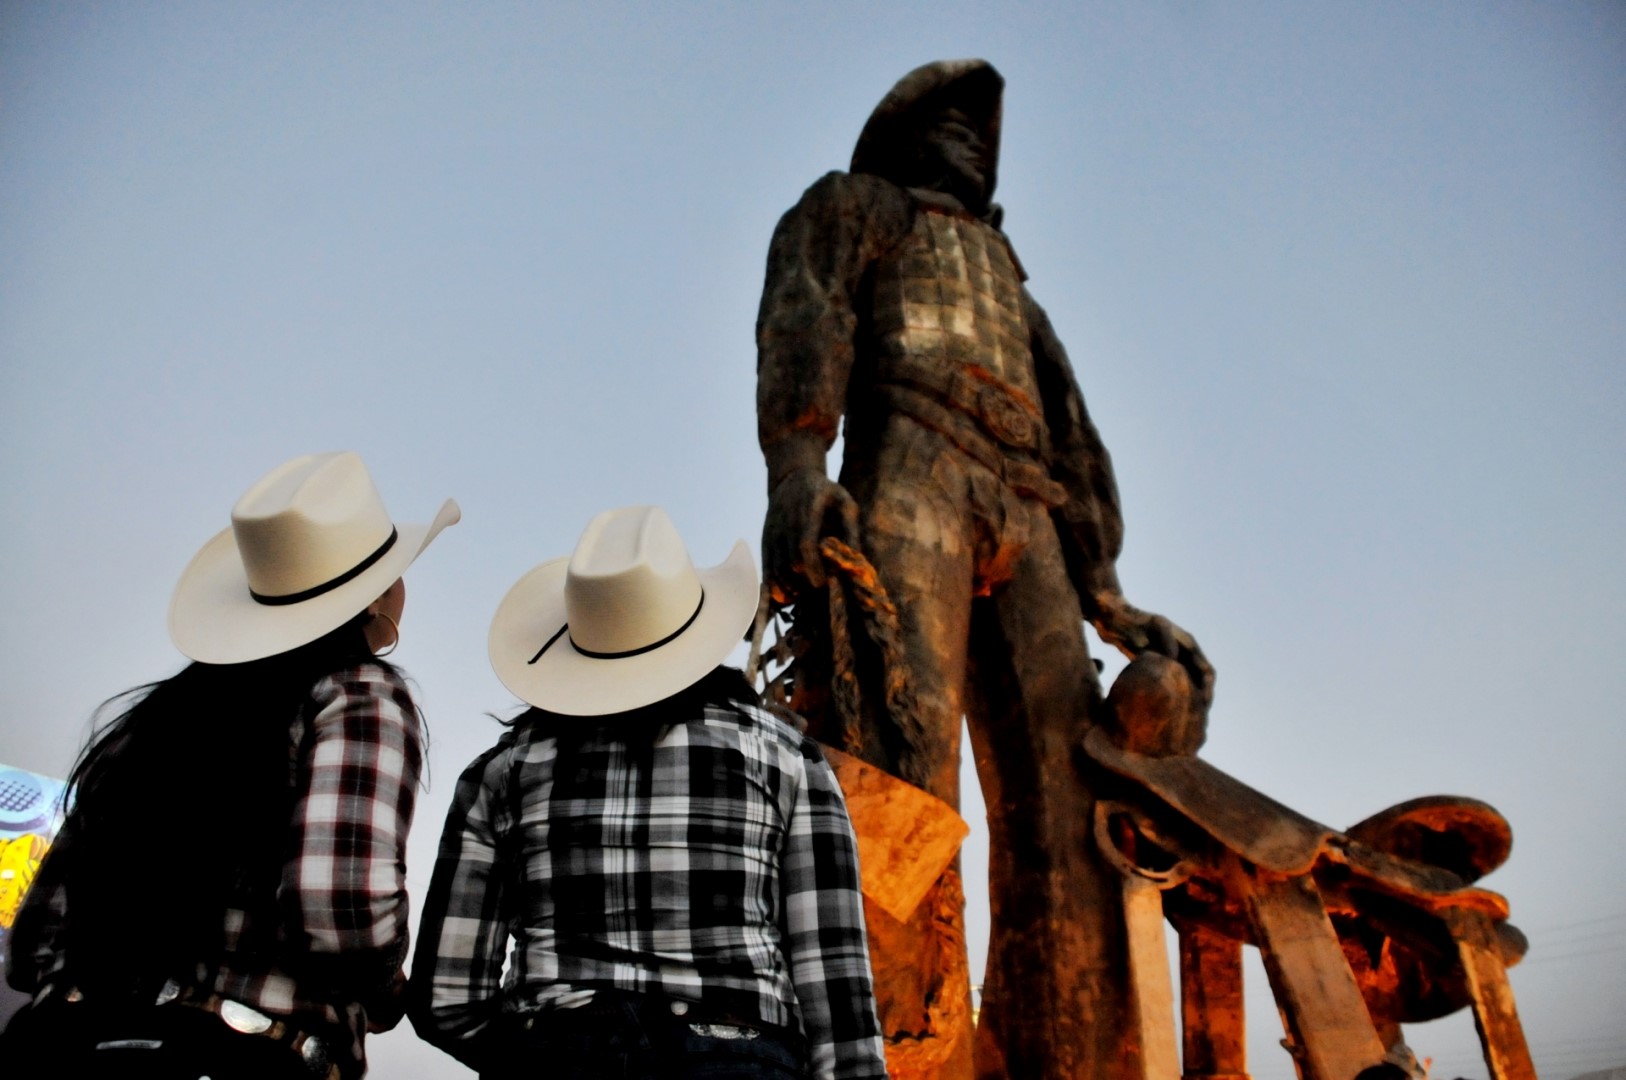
{"points": [[328, 586]]}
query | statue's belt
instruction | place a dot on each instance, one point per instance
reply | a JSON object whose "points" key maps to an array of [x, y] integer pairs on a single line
{"points": [[988, 421], [1004, 412]]}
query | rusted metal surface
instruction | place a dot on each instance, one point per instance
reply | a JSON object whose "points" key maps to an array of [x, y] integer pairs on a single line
{"points": [[1149, 968], [1453, 832], [906, 838], [1361, 931], [1212, 1011], [1501, 1036], [1332, 1035], [928, 1002], [1259, 828]]}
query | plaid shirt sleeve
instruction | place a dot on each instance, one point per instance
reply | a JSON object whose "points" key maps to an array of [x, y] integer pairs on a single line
{"points": [[457, 971], [344, 885], [823, 930]]}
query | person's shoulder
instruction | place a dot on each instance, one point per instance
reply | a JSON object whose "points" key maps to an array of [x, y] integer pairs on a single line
{"points": [[839, 190], [365, 712], [765, 723], [494, 762], [375, 686], [837, 181], [364, 677]]}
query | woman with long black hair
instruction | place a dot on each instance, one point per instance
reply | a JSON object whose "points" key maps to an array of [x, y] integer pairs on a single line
{"points": [[227, 894]]}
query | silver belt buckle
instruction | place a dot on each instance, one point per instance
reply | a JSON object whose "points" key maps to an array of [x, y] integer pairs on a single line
{"points": [[725, 1031], [240, 1017], [313, 1051]]}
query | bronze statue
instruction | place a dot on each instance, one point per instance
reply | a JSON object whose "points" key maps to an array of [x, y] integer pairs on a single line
{"points": [[976, 510]]}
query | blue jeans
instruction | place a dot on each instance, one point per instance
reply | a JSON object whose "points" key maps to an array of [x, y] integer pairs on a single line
{"points": [[631, 1037]]}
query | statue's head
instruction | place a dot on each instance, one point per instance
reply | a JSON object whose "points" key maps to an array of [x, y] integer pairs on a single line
{"points": [[938, 128]]}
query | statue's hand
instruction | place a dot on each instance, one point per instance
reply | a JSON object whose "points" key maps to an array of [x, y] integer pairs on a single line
{"points": [[803, 509], [1133, 631]]}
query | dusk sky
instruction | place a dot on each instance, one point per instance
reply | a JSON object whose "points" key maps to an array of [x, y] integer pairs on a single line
{"points": [[1344, 286]]}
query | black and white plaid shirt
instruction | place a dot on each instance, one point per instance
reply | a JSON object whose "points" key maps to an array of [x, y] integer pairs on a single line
{"points": [[716, 867]]}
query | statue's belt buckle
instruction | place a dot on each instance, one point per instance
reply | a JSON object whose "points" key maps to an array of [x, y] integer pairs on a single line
{"points": [[1006, 419]]}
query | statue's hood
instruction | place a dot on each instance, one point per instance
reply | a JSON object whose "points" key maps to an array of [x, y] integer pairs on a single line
{"points": [[887, 144]]}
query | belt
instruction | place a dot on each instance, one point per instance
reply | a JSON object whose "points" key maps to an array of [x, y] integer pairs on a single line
{"points": [[1003, 412], [709, 1020], [315, 1051], [1020, 472]]}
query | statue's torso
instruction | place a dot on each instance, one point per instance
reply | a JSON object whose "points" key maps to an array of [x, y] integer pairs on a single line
{"points": [[952, 294], [951, 342]]}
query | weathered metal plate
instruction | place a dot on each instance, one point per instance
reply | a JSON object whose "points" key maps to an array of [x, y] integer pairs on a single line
{"points": [[1465, 836], [1249, 822], [906, 837]]}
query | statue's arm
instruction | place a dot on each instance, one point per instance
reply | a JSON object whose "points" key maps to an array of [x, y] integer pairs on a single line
{"points": [[1090, 524], [806, 330]]}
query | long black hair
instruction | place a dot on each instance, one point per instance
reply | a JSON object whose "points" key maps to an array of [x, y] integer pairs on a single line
{"points": [[180, 808]]}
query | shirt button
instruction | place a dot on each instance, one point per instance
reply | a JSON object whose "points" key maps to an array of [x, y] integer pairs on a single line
{"points": [[680, 1008]]}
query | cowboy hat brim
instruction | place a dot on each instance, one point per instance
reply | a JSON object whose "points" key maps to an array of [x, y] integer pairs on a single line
{"points": [[532, 653], [214, 619]]}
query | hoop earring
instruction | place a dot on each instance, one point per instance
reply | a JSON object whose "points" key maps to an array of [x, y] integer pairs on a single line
{"points": [[395, 641]]}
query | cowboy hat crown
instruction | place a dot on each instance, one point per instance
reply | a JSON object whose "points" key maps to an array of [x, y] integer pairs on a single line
{"points": [[624, 621], [308, 524], [630, 584]]}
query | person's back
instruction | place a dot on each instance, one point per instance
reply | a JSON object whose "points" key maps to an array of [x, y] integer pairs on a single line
{"points": [[662, 848], [675, 872]]}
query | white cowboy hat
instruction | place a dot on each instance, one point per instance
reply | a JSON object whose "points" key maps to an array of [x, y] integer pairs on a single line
{"points": [[309, 547], [623, 622]]}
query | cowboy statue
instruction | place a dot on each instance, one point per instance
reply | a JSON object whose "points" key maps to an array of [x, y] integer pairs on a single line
{"points": [[977, 507]]}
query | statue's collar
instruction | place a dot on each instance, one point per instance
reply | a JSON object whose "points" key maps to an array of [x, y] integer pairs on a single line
{"points": [[943, 201]]}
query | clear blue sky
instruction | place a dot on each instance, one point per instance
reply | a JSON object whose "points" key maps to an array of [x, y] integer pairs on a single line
{"points": [[1345, 286]]}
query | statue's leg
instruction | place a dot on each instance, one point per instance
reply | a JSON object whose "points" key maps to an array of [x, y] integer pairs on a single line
{"points": [[1056, 996], [914, 522]]}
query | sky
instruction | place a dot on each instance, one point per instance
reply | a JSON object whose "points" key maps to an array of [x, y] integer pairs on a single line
{"points": [[1344, 286]]}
